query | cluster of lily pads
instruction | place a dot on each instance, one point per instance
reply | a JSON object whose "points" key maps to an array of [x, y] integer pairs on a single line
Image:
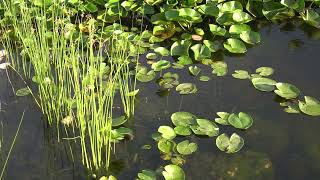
{"points": [[187, 123], [287, 91]]}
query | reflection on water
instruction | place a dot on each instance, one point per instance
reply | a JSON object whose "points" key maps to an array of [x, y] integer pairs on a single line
{"points": [[277, 146]]}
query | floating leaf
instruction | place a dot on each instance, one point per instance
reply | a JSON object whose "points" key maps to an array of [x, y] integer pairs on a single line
{"points": [[165, 145], [239, 28], [173, 172], [147, 175], [287, 91], [23, 92], [169, 80], [229, 145], [183, 118], [160, 65], [212, 46], [200, 52], [180, 48], [119, 121], [205, 127], [231, 6], [235, 46], [162, 51], [143, 75], [189, 15], [219, 68], [217, 30], [194, 70], [264, 84], [182, 130], [209, 9], [185, 60], [225, 19], [151, 56], [241, 74], [311, 106], [265, 71], [204, 78], [186, 88], [241, 17], [250, 37], [186, 148], [223, 118], [240, 121], [311, 17], [167, 132]]}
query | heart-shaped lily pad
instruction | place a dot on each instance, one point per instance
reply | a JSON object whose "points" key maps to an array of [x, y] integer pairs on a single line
{"points": [[240, 121], [143, 75], [160, 65], [151, 56], [183, 118], [180, 48], [219, 68], [162, 51], [147, 175], [167, 132], [186, 148], [265, 71], [165, 145], [287, 90], [229, 145], [205, 127], [194, 70], [311, 106], [223, 118], [182, 130], [264, 84], [241, 74], [187, 88], [119, 121], [169, 80], [250, 37], [204, 78], [235, 46], [173, 172]]}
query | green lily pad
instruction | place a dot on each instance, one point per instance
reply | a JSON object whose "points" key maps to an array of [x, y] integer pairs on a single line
{"points": [[205, 127], [200, 52], [235, 46], [219, 68], [250, 37], [165, 145], [189, 15], [151, 56], [23, 92], [297, 5], [287, 90], [264, 84], [311, 106], [194, 70], [241, 17], [225, 19], [187, 88], [265, 71], [182, 130], [147, 175], [162, 51], [239, 28], [161, 65], [180, 48], [231, 6], [185, 60], [229, 145], [143, 75], [241, 74], [223, 118], [311, 17], [167, 132], [217, 30], [119, 121], [240, 121], [204, 78], [186, 148], [210, 9], [212, 46], [169, 80], [173, 172], [183, 118]]}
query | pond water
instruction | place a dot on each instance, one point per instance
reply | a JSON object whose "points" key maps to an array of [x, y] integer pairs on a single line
{"points": [[278, 145]]}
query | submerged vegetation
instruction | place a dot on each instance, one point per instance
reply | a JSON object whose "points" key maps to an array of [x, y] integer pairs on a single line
{"points": [[84, 58]]}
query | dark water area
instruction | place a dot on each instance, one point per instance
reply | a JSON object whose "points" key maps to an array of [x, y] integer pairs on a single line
{"points": [[278, 146]]}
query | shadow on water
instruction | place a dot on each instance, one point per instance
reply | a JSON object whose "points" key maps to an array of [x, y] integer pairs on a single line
{"points": [[278, 146]]}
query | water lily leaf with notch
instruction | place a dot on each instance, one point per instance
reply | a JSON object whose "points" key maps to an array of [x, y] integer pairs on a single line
{"points": [[263, 84], [186, 88], [182, 118], [297, 5], [194, 70], [172, 15], [250, 37], [212, 46], [205, 127], [182, 130], [210, 9], [240, 121], [223, 118], [235, 46], [241, 17], [290, 107], [161, 65], [219, 68], [119, 121], [287, 90], [311, 106], [186, 148], [167, 132], [204, 78], [165, 145], [265, 71], [239, 28], [217, 30], [143, 75], [276, 10], [241, 74], [162, 51], [230, 6], [185, 60], [173, 172], [200, 52], [225, 19], [311, 17], [147, 175], [169, 80], [151, 56], [229, 145], [180, 48], [23, 92], [190, 15]]}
